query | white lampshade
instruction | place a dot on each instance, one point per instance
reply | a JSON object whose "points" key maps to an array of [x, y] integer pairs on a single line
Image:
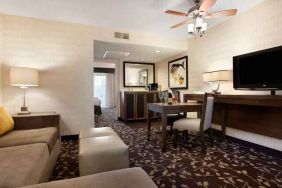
{"points": [[221, 75], [23, 77]]}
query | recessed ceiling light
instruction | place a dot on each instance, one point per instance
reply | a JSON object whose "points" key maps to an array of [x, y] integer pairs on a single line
{"points": [[157, 51]]}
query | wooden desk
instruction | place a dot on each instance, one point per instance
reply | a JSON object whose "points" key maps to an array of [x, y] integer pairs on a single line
{"points": [[165, 109], [260, 114]]}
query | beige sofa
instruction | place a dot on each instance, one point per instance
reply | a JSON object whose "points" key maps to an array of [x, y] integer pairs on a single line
{"points": [[28, 156], [123, 178]]}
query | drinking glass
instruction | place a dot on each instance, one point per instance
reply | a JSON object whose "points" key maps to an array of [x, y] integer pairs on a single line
{"points": [[161, 96]]}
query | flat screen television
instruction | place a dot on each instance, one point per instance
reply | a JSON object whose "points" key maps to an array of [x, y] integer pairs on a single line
{"points": [[261, 70]]}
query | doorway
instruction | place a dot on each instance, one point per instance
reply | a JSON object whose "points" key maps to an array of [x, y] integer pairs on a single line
{"points": [[104, 85]]}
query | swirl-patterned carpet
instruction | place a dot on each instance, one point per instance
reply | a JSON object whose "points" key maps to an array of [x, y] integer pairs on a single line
{"points": [[227, 164]]}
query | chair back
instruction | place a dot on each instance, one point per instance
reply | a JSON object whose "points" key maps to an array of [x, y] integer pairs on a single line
{"points": [[206, 119]]}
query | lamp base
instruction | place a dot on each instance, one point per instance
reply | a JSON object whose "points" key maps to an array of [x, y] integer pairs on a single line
{"points": [[24, 111]]}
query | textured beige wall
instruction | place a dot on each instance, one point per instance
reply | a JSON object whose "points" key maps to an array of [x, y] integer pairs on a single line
{"points": [[253, 30], [64, 55], [256, 29]]}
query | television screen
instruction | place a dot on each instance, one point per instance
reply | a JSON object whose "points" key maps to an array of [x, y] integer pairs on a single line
{"points": [[258, 70]]}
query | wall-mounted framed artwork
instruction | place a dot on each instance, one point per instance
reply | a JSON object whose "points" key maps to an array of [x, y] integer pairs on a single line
{"points": [[178, 73]]}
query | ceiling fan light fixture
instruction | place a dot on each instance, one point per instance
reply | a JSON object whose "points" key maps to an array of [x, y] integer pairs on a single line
{"points": [[197, 15], [191, 28], [204, 26], [199, 22], [198, 27]]}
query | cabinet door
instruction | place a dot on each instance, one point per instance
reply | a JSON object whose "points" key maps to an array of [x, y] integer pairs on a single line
{"points": [[140, 106], [158, 100], [129, 103], [151, 99]]}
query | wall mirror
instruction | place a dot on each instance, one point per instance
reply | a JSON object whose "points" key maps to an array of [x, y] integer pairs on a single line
{"points": [[137, 74]]}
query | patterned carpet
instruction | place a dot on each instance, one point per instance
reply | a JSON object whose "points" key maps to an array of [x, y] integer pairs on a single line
{"points": [[227, 164]]}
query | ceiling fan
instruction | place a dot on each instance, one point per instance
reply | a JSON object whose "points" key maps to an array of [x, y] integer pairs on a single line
{"points": [[197, 14]]}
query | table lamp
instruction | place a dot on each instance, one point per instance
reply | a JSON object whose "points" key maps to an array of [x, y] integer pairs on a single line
{"points": [[216, 77], [23, 77]]}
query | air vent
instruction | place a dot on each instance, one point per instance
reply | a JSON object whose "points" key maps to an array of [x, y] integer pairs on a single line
{"points": [[122, 35]]}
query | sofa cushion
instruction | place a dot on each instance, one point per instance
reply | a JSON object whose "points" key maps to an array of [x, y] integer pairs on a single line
{"points": [[124, 178], [6, 121], [22, 165], [47, 135]]}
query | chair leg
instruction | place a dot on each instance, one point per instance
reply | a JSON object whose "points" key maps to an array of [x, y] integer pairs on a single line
{"points": [[175, 140], [171, 131], [186, 135], [202, 138], [212, 137]]}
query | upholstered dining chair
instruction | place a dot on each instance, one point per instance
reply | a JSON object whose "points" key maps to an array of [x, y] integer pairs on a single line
{"points": [[171, 118], [199, 125]]}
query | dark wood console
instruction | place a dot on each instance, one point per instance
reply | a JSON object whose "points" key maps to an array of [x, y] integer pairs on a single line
{"points": [[252, 113], [133, 104]]}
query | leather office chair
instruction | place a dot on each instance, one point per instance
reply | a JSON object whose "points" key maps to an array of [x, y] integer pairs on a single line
{"points": [[199, 125]]}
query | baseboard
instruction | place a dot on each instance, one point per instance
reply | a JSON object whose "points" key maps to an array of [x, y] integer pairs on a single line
{"points": [[269, 151], [70, 137]]}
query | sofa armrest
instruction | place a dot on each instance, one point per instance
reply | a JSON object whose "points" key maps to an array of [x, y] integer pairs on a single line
{"points": [[36, 121]]}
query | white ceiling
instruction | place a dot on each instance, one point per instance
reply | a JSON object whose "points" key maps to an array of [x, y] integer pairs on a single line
{"points": [[125, 15], [137, 52]]}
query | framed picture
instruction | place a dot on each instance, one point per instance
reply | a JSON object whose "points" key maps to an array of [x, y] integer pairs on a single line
{"points": [[178, 73]]}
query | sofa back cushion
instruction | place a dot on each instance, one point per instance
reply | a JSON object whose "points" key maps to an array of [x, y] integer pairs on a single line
{"points": [[6, 121], [47, 135]]}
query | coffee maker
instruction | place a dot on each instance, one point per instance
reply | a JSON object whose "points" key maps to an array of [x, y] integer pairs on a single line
{"points": [[153, 86]]}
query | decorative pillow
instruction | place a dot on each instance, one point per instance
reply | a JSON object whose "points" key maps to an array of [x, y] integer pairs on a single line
{"points": [[6, 121]]}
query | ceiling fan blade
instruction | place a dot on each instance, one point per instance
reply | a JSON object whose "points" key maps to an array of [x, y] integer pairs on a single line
{"points": [[206, 5], [176, 13], [181, 24], [230, 12]]}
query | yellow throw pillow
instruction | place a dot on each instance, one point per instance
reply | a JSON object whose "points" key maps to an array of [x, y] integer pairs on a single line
{"points": [[6, 121]]}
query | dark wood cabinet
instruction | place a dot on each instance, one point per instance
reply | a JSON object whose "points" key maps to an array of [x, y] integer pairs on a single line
{"points": [[130, 98], [133, 105], [140, 105]]}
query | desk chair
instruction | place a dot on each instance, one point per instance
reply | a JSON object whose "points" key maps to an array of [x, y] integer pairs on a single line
{"points": [[171, 118], [199, 125]]}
